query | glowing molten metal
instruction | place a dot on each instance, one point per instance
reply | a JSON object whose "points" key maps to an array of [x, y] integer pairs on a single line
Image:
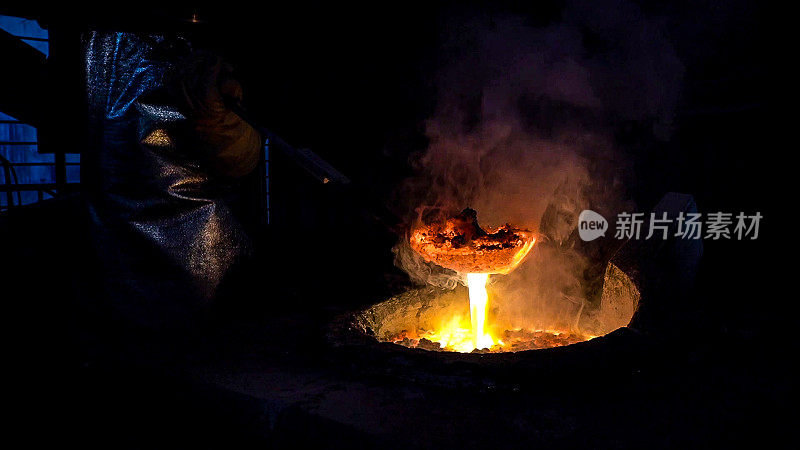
{"points": [[458, 243], [478, 298]]}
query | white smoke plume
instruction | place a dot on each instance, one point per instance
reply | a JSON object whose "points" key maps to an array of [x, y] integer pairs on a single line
{"points": [[523, 129]]}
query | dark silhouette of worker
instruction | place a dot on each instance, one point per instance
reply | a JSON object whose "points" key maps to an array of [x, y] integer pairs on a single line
{"points": [[162, 177]]}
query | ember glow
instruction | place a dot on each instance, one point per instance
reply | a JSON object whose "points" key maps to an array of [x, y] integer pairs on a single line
{"points": [[458, 333], [456, 338], [458, 243]]}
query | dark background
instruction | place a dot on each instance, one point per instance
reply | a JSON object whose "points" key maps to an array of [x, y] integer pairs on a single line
{"points": [[354, 84]]}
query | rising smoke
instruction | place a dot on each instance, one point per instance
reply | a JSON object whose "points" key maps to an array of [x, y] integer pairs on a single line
{"points": [[523, 132]]}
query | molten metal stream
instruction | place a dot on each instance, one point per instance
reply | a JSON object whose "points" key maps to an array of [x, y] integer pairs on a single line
{"points": [[459, 244], [478, 298]]}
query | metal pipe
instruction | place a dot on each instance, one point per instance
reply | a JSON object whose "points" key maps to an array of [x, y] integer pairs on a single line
{"points": [[305, 158], [327, 174]]}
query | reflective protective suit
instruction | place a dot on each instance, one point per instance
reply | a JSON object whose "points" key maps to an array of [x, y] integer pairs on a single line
{"points": [[159, 175]]}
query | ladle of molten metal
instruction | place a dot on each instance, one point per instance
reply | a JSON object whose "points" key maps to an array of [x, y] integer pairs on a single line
{"points": [[459, 244]]}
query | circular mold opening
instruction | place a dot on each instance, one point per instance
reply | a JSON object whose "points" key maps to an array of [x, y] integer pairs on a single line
{"points": [[437, 319]]}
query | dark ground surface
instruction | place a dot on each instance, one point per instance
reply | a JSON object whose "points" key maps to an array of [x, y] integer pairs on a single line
{"points": [[270, 377]]}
